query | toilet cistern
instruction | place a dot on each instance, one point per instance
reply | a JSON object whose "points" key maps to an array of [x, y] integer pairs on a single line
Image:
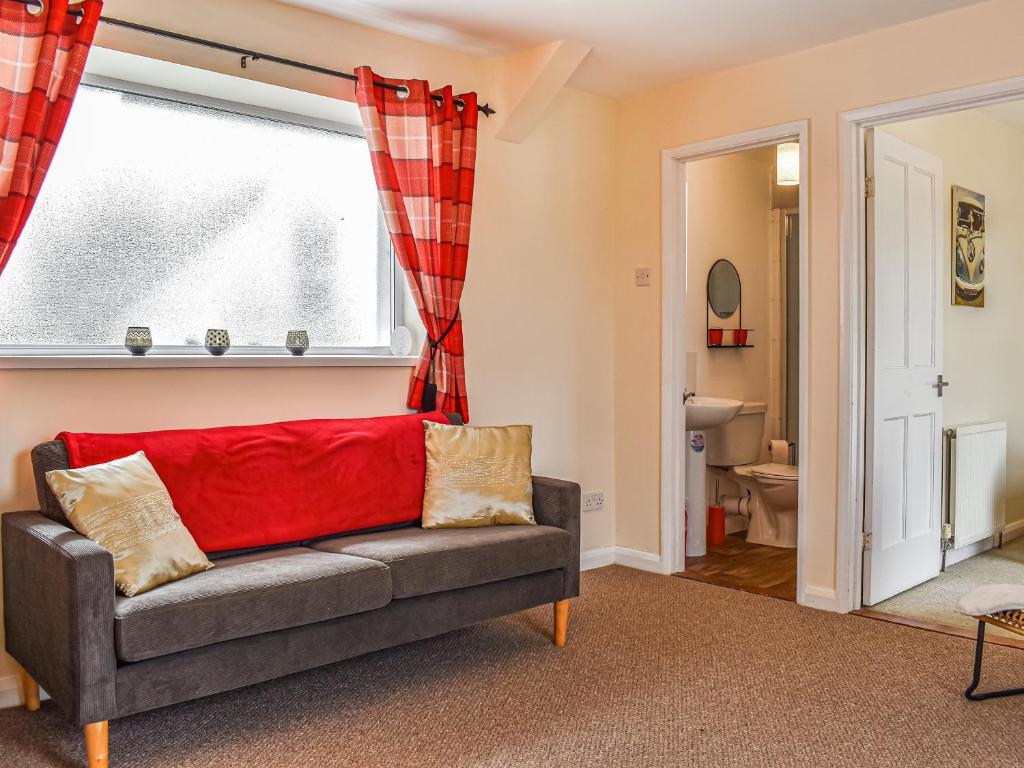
{"points": [[701, 413]]}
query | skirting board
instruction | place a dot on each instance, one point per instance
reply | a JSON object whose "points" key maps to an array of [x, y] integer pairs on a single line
{"points": [[820, 598], [631, 558], [597, 558], [10, 692], [642, 561], [1011, 531]]}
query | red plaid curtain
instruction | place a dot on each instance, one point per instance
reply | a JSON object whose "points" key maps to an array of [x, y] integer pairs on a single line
{"points": [[424, 155], [41, 65]]}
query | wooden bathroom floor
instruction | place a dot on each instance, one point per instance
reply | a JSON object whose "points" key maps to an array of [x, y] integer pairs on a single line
{"points": [[751, 567]]}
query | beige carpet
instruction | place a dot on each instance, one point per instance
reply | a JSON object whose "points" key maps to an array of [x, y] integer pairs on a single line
{"points": [[659, 671], [936, 600]]}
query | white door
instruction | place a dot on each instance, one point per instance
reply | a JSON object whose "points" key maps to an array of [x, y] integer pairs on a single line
{"points": [[904, 406]]}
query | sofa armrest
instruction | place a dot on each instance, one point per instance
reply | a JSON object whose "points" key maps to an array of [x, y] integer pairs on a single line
{"points": [[59, 613], [557, 503]]}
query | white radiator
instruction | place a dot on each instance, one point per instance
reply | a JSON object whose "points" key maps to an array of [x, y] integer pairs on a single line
{"points": [[976, 481]]}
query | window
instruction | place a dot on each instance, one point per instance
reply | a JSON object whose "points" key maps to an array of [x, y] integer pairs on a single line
{"points": [[184, 213]]}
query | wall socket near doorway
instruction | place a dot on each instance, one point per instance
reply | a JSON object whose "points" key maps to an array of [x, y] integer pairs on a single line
{"points": [[642, 276], [593, 501]]}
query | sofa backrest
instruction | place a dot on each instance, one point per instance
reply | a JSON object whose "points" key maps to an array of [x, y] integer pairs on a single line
{"points": [[46, 456], [256, 486]]}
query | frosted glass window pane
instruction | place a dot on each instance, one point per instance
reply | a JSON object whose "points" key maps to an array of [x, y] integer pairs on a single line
{"points": [[185, 217]]}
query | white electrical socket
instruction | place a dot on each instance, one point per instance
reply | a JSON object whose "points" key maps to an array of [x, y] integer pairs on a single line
{"points": [[593, 501], [642, 276]]}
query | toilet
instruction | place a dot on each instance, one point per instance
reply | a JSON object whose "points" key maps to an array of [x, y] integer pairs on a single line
{"points": [[736, 449]]}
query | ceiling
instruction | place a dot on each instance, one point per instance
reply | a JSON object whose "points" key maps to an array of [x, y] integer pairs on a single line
{"points": [[637, 44]]}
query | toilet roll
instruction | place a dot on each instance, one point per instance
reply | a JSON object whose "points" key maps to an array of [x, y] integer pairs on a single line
{"points": [[779, 450]]}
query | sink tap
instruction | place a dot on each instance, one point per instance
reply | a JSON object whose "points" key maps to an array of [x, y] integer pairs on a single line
{"points": [[688, 396]]}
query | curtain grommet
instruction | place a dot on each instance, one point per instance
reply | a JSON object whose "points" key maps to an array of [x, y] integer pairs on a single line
{"points": [[35, 7], [403, 92]]}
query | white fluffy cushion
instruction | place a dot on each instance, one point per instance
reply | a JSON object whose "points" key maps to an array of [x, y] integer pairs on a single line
{"points": [[993, 598]]}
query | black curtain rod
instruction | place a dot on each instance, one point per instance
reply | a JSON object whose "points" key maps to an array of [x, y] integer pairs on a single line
{"points": [[36, 7]]}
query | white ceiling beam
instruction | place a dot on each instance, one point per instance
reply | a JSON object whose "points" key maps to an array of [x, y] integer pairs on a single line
{"points": [[530, 81]]}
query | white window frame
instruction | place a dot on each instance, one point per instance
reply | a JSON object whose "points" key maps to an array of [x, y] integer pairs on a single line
{"points": [[390, 315]]}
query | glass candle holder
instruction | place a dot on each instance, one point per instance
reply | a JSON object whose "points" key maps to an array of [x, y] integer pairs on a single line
{"points": [[297, 342], [217, 341], [138, 340]]}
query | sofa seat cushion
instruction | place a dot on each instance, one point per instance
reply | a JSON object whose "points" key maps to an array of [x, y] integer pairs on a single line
{"points": [[436, 560], [248, 595]]}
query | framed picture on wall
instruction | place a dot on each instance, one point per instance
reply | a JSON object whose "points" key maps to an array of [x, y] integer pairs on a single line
{"points": [[968, 247]]}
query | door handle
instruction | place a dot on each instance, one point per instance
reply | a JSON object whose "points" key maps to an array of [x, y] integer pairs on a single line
{"points": [[940, 384]]}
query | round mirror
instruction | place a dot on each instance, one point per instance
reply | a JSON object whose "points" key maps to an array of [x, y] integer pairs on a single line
{"points": [[723, 288]]}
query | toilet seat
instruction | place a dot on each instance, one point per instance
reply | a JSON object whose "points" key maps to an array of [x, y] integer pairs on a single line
{"points": [[769, 471], [775, 472]]}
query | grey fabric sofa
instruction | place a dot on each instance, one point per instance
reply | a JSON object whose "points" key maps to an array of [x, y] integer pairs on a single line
{"points": [[259, 615]]}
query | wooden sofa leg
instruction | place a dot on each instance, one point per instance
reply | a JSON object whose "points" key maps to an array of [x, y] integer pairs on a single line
{"points": [[96, 745], [29, 691], [561, 622]]}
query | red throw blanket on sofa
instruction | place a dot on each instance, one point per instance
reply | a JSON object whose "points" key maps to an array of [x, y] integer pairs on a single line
{"points": [[239, 487]]}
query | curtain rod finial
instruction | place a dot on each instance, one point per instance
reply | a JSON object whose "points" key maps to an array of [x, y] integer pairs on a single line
{"points": [[486, 109]]}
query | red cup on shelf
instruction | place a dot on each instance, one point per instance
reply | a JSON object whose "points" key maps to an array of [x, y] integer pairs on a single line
{"points": [[739, 337], [715, 336]]}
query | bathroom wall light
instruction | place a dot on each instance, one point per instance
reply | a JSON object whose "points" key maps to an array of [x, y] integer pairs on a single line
{"points": [[787, 164]]}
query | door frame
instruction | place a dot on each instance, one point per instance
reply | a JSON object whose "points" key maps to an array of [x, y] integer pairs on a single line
{"points": [[673, 329], [853, 385]]}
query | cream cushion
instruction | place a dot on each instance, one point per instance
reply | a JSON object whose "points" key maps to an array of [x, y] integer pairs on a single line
{"points": [[124, 507], [478, 476]]}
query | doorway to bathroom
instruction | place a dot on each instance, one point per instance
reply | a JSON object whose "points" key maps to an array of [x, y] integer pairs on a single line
{"points": [[734, 349], [937, 449]]}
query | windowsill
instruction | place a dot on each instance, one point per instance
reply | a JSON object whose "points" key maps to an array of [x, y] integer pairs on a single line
{"points": [[229, 360]]}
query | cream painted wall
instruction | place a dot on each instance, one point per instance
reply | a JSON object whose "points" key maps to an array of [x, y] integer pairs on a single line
{"points": [[538, 303], [556, 333], [980, 345], [728, 206], [816, 85]]}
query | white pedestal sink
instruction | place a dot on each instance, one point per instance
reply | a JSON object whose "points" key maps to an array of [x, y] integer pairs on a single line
{"points": [[701, 413]]}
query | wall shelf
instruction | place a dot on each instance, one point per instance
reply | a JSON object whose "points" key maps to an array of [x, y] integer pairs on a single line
{"points": [[725, 300]]}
